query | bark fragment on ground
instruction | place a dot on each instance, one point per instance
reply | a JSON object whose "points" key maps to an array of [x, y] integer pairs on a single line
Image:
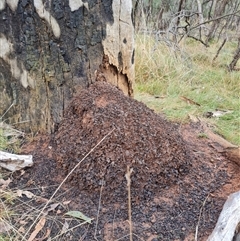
{"points": [[227, 227], [13, 162]]}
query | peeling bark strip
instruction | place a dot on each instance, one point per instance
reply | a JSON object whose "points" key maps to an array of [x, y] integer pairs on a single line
{"points": [[14, 162], [51, 48], [119, 44]]}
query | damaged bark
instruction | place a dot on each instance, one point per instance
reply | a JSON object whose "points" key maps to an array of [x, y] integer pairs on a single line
{"points": [[49, 49]]}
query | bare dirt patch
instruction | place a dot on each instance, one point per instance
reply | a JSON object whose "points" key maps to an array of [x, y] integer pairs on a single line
{"points": [[179, 180]]}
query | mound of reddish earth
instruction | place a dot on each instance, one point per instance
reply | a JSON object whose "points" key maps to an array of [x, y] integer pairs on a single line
{"points": [[140, 138], [176, 176]]}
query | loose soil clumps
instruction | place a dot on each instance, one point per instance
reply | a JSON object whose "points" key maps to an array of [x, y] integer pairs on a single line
{"points": [[141, 139]]}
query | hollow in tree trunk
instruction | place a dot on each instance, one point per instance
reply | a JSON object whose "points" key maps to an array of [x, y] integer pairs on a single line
{"points": [[50, 49]]}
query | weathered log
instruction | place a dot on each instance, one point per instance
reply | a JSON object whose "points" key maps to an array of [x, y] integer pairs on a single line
{"points": [[228, 222], [13, 162], [51, 49], [232, 151], [233, 154]]}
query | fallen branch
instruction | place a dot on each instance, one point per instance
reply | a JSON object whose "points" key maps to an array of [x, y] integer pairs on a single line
{"points": [[233, 154], [189, 101], [231, 151], [228, 221], [216, 138], [13, 162]]}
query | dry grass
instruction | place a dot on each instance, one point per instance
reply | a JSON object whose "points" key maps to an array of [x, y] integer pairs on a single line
{"points": [[9, 138], [188, 70], [25, 220]]}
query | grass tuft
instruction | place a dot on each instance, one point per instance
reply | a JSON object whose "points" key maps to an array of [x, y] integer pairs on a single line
{"points": [[9, 138]]}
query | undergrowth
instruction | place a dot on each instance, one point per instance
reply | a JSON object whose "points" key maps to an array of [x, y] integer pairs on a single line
{"points": [[10, 138], [167, 75]]}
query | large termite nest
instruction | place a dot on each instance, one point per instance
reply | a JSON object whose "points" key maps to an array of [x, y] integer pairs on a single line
{"points": [[177, 178], [140, 138]]}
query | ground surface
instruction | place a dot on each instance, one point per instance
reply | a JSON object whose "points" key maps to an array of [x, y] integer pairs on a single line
{"points": [[179, 180]]}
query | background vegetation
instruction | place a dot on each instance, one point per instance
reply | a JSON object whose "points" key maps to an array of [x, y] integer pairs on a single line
{"points": [[187, 61]]}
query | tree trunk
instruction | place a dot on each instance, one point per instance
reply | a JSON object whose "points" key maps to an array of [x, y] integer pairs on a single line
{"points": [[50, 49], [179, 11], [219, 8], [236, 57], [200, 17]]}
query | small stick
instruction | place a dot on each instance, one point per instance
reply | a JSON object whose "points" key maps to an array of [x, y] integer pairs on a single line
{"points": [[113, 224], [128, 177], [7, 110], [99, 206], [71, 229], [65, 181], [199, 218]]}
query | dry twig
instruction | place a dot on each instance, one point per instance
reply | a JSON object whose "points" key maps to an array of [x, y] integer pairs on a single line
{"points": [[99, 205], [128, 177], [199, 218]]}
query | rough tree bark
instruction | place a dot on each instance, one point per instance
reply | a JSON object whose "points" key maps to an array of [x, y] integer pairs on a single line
{"points": [[50, 49], [219, 8], [236, 57]]}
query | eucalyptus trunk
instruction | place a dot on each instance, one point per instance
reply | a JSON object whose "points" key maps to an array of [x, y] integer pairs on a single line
{"points": [[50, 50]]}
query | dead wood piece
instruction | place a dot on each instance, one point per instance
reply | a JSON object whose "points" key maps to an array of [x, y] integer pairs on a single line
{"points": [[232, 151], [228, 221], [189, 101], [216, 138], [233, 154], [13, 162]]}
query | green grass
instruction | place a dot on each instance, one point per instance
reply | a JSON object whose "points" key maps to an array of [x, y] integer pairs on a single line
{"points": [[189, 72]]}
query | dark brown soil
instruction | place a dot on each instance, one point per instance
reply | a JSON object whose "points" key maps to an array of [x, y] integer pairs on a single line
{"points": [[179, 181]]}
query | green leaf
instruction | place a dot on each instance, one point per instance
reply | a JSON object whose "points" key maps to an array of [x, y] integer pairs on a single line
{"points": [[79, 215]]}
